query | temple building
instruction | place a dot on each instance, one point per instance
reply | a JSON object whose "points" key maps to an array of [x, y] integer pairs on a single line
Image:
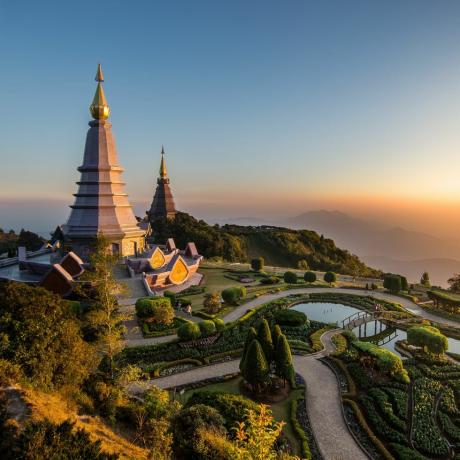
{"points": [[166, 266], [163, 201], [101, 205]]}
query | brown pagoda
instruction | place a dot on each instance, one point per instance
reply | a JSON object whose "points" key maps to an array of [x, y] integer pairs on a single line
{"points": [[163, 201], [101, 205]]}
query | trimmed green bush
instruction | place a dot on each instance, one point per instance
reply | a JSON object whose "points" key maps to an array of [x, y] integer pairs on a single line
{"points": [[257, 264], [289, 317], [330, 277], [309, 277], [429, 338], [264, 336], [219, 323], [207, 327], [157, 308], [269, 280], [255, 367], [171, 296], [283, 359], [231, 295], [189, 331], [290, 278]]}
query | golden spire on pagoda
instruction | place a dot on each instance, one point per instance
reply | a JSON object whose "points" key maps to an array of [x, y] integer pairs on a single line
{"points": [[99, 108], [163, 171]]}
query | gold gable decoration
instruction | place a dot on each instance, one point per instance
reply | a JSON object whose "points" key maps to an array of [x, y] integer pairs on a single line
{"points": [[179, 272], [157, 259]]}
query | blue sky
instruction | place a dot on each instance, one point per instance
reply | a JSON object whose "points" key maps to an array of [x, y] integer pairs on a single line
{"points": [[264, 107]]}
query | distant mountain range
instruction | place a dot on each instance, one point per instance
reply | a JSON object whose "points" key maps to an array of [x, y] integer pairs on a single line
{"points": [[389, 249]]}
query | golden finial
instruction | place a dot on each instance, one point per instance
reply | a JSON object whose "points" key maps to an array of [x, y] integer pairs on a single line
{"points": [[99, 108], [163, 171]]}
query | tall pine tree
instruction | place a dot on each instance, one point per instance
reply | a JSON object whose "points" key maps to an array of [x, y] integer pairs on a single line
{"points": [[276, 335], [255, 368], [251, 335], [283, 359], [264, 336]]}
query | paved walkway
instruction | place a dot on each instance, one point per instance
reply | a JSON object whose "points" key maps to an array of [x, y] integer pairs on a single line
{"points": [[134, 336], [323, 399]]}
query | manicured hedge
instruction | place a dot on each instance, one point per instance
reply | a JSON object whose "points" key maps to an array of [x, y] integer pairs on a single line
{"points": [[290, 278], [207, 327], [298, 430], [387, 361], [189, 331], [233, 294], [290, 317], [429, 338]]}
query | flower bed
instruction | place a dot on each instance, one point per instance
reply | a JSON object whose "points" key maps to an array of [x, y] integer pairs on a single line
{"points": [[425, 433], [302, 426]]}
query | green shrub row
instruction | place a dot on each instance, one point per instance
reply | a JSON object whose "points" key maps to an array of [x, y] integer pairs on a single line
{"points": [[381, 400], [365, 427], [298, 430]]}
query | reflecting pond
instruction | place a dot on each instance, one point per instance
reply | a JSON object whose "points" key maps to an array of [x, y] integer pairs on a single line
{"points": [[335, 313]]}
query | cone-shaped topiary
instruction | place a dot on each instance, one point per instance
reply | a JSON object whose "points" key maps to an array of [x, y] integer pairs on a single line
{"points": [[276, 335], [255, 369], [251, 335], [264, 336], [283, 358]]}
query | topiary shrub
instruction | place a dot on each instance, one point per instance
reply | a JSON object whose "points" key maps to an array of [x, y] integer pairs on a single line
{"points": [[185, 302], [290, 317], [189, 331], [290, 278], [243, 292], [270, 280], [309, 277], [330, 277], [257, 264], [207, 327], [144, 307], [231, 295], [219, 323]]}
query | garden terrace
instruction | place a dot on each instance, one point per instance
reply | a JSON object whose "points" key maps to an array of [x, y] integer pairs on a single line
{"points": [[228, 344], [419, 420]]}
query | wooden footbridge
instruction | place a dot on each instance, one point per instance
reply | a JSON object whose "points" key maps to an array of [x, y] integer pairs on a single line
{"points": [[363, 317]]}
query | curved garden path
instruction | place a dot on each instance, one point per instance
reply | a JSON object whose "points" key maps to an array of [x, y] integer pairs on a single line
{"points": [[134, 336], [323, 398]]}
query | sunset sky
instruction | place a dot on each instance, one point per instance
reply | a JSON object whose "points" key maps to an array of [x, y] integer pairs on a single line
{"points": [[265, 108]]}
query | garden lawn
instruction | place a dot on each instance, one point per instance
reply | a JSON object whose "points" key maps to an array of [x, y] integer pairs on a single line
{"points": [[281, 410]]}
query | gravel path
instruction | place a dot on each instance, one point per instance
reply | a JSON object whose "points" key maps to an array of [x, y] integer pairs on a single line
{"points": [[323, 399], [134, 336]]}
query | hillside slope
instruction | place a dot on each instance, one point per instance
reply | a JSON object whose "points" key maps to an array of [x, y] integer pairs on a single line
{"points": [[278, 246], [25, 404]]}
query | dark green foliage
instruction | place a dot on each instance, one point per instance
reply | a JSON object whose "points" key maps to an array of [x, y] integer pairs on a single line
{"points": [[406, 453], [269, 280], [289, 317], [186, 424], [232, 295], [276, 335], [257, 264], [40, 333], [219, 323], [250, 337], [189, 331], [264, 336], [155, 307], [45, 440], [330, 277], [393, 283], [283, 359], [278, 246], [290, 278], [309, 277], [207, 327], [430, 338], [255, 368], [172, 296], [232, 407], [30, 240]]}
